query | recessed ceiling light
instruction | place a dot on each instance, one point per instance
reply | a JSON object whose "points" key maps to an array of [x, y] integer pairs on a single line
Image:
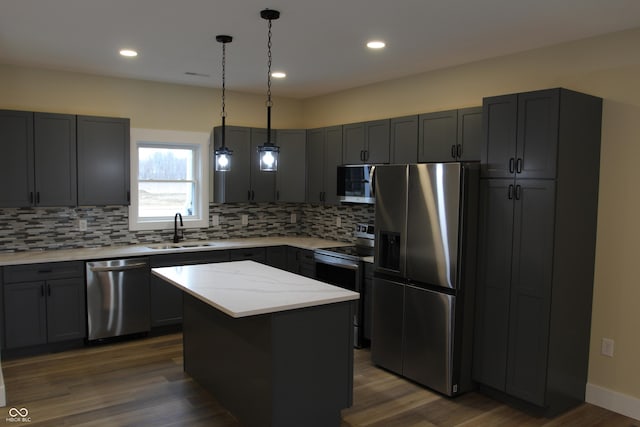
{"points": [[278, 75], [128, 53], [376, 44]]}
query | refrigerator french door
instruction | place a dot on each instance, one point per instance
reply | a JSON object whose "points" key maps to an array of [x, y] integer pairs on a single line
{"points": [[423, 277]]}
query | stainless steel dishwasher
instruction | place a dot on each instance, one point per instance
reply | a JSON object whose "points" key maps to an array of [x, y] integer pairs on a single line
{"points": [[117, 297]]}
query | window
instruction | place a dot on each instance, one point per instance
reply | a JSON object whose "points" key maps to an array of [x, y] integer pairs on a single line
{"points": [[169, 175]]}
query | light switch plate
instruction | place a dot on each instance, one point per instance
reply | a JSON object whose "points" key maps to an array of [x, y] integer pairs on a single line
{"points": [[82, 224], [607, 347], [215, 220], [294, 219], [245, 219]]}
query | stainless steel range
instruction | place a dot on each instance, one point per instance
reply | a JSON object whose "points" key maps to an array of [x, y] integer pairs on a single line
{"points": [[343, 266]]}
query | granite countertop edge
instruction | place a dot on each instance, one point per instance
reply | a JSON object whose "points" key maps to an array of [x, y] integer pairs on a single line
{"points": [[148, 249]]}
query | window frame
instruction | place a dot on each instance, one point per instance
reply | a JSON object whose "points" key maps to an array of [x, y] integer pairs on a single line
{"points": [[199, 142]]}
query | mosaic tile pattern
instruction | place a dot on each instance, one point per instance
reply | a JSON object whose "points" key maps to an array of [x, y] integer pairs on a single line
{"points": [[23, 229]]}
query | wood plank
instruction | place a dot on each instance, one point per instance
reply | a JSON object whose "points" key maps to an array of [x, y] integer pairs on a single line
{"points": [[141, 382]]}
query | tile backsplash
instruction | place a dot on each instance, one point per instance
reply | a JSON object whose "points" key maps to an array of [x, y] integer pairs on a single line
{"points": [[23, 229]]}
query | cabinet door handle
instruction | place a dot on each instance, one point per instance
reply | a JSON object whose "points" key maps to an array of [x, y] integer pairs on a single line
{"points": [[459, 150], [248, 194], [31, 197], [37, 197], [366, 155], [453, 151], [48, 289], [519, 165], [511, 165], [518, 192], [277, 194], [510, 192], [253, 195], [128, 196]]}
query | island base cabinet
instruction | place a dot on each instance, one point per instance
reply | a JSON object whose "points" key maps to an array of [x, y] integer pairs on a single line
{"points": [[288, 368]]}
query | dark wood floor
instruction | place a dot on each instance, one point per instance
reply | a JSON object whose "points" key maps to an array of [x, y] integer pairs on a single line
{"points": [[141, 383]]}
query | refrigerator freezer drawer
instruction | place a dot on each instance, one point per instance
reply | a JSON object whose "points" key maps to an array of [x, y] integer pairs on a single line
{"points": [[428, 339]]}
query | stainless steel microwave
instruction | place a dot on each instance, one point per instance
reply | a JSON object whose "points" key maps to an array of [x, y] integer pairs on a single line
{"points": [[355, 183]]}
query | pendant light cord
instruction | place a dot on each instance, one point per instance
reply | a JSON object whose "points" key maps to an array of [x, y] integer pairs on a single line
{"points": [[224, 112], [269, 103]]}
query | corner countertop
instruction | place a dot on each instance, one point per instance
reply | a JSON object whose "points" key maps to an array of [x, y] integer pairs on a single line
{"points": [[248, 288], [110, 252]]}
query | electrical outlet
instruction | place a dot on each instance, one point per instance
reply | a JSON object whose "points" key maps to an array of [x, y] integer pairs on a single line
{"points": [[607, 347], [215, 220], [338, 221], [245, 219], [294, 219], [82, 224]]}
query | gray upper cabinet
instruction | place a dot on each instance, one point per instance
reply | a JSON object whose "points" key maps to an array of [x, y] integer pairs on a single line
{"points": [[38, 158], [437, 136], [234, 186], [469, 134], [366, 142], [536, 252], [404, 139], [245, 182], [290, 178], [16, 158], [324, 155], [263, 184], [103, 161], [55, 159], [523, 130], [453, 135]]}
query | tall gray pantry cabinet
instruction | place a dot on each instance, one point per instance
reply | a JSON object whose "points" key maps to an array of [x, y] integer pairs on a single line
{"points": [[537, 232]]}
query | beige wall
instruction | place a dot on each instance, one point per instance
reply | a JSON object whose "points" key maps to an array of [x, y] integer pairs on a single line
{"points": [[148, 104], [607, 66]]}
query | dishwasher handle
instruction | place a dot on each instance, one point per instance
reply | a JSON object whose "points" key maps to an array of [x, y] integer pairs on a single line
{"points": [[133, 266]]}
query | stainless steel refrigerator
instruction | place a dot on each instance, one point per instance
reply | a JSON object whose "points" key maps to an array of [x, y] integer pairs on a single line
{"points": [[423, 289]]}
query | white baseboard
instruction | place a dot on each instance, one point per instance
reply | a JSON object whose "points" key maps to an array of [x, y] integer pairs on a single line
{"points": [[614, 401], [3, 396]]}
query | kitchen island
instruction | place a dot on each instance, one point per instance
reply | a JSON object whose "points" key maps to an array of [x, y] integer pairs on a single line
{"points": [[275, 348]]}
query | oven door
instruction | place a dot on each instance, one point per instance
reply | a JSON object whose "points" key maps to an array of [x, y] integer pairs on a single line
{"points": [[346, 274]]}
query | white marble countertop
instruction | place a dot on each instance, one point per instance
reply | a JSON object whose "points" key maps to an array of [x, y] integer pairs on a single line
{"points": [[248, 288], [107, 252]]}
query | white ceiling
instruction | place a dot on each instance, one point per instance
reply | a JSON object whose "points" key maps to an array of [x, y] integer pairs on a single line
{"points": [[320, 44]]}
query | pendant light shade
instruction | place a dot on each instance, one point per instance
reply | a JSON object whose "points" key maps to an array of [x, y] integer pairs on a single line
{"points": [[268, 152], [223, 154]]}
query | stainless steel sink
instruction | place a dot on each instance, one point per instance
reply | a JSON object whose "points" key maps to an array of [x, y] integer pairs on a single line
{"points": [[195, 245], [180, 245]]}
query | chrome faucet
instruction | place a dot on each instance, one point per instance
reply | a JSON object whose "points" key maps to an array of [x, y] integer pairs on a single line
{"points": [[176, 236]]}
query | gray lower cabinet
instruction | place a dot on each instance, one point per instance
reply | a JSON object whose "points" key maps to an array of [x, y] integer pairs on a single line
{"points": [[324, 155], [166, 299], [447, 136], [43, 303], [404, 140], [276, 256], [103, 161], [38, 158], [251, 254], [301, 261], [536, 249], [291, 174]]}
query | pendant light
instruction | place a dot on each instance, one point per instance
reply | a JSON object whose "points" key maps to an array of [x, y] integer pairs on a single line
{"points": [[223, 154], [268, 152]]}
